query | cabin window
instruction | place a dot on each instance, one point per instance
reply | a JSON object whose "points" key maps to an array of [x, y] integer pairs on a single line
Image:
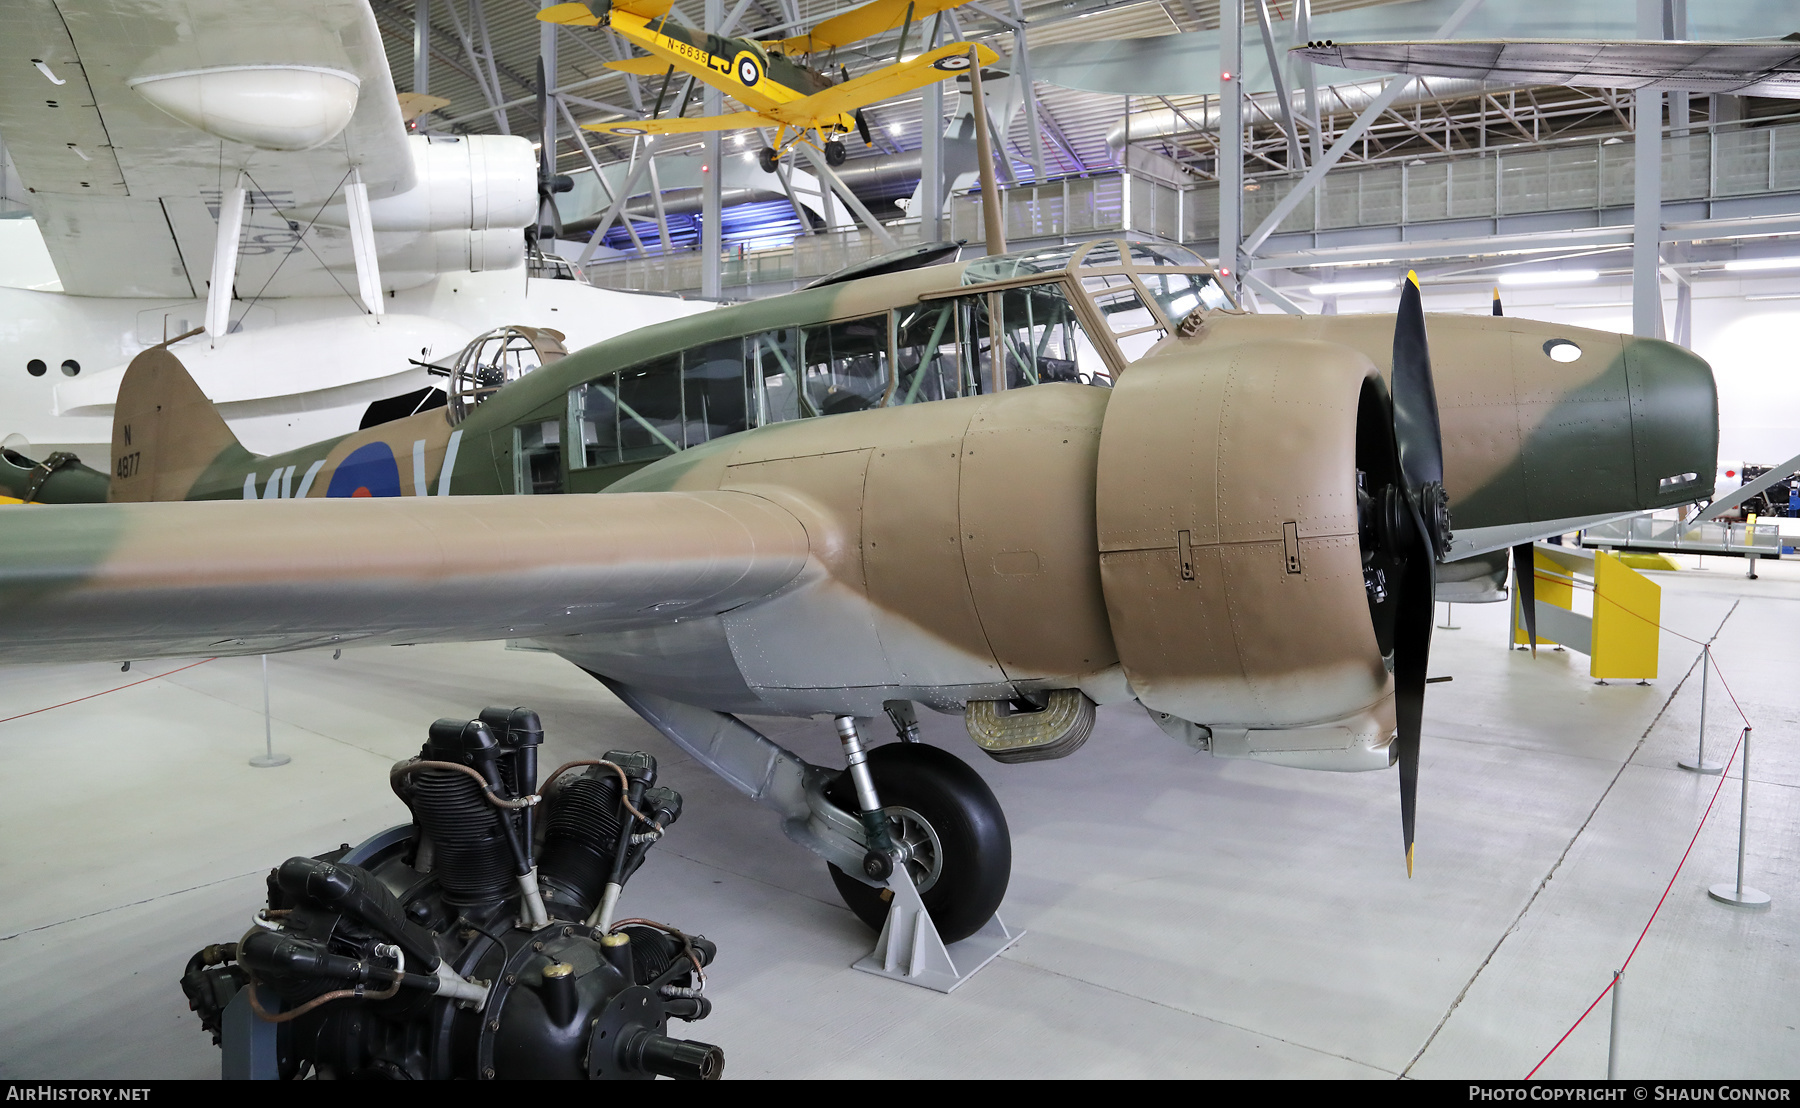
{"points": [[537, 457], [1041, 340], [774, 366], [926, 353], [712, 383], [846, 364]]}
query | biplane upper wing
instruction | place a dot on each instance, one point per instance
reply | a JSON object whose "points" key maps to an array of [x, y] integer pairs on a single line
{"points": [[683, 126], [580, 15], [857, 24], [872, 88], [90, 582], [1741, 68]]}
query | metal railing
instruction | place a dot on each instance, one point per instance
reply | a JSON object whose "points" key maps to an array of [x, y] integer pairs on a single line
{"points": [[1706, 164]]}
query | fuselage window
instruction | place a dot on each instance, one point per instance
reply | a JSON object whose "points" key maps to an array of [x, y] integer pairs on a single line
{"points": [[774, 368], [650, 409], [537, 457], [712, 382], [1043, 342], [925, 351], [846, 364]]}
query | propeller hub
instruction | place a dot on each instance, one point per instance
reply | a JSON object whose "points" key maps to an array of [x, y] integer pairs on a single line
{"points": [[1434, 510]]}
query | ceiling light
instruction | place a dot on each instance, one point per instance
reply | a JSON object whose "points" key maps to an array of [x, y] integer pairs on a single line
{"points": [[1550, 277], [894, 128], [1342, 288], [1743, 265], [740, 140]]}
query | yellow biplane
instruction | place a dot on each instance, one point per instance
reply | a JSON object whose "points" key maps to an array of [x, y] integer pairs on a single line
{"points": [[802, 103]]}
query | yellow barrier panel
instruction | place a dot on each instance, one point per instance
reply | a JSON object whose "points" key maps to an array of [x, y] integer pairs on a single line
{"points": [[1627, 612], [1554, 585]]}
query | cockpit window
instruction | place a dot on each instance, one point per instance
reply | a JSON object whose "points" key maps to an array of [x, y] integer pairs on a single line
{"points": [[1007, 266], [846, 366], [1102, 253], [1160, 254]]}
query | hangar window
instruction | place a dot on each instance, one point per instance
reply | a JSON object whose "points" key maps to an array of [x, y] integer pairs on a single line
{"points": [[846, 364]]}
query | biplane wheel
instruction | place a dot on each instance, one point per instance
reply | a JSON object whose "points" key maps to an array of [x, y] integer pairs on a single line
{"points": [[834, 153], [946, 818], [767, 159]]}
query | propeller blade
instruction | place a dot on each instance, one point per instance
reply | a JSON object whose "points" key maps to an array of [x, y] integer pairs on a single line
{"points": [[1497, 310], [862, 128], [1415, 398], [1412, 658], [1525, 573]]}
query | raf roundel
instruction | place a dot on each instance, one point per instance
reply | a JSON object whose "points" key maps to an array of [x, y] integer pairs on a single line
{"points": [[629, 131], [955, 63], [748, 71]]}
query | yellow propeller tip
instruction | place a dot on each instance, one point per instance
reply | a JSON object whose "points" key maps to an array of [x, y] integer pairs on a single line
{"points": [[1409, 861], [1414, 278], [1496, 292]]}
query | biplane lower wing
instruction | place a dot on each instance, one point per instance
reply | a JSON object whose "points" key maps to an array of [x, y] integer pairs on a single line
{"points": [[735, 121], [93, 582]]}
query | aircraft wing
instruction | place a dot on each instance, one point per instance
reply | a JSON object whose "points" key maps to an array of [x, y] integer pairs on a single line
{"points": [[580, 15], [857, 24], [119, 581], [649, 66], [1740, 68], [683, 126], [890, 81], [127, 194]]}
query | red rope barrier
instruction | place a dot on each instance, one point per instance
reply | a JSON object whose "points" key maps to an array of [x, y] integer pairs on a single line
{"points": [[1723, 775], [103, 692]]}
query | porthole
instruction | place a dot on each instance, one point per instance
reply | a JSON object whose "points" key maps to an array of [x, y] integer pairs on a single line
{"points": [[1562, 350], [36, 367], [71, 367]]}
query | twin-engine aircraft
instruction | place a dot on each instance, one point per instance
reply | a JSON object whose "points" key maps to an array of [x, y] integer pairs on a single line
{"points": [[1014, 489], [795, 99]]}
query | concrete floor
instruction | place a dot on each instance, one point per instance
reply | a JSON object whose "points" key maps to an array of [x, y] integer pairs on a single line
{"points": [[1188, 916]]}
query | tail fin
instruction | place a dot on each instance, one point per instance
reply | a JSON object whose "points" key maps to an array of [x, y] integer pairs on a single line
{"points": [[166, 433]]}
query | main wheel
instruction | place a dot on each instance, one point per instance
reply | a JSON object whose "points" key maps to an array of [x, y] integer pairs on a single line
{"points": [[950, 826], [767, 159], [834, 153]]}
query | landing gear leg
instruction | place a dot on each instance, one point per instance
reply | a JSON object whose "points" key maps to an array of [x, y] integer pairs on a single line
{"points": [[948, 848]]}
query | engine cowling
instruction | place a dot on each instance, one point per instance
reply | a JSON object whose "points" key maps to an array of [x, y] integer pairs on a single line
{"points": [[1230, 555]]}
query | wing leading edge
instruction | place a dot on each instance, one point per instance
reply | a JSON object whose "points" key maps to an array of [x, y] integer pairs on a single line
{"points": [[115, 581]]}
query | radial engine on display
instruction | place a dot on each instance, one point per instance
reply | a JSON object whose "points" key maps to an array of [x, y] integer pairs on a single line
{"points": [[479, 941]]}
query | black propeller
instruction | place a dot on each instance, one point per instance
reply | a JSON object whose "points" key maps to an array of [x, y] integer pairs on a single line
{"points": [[1406, 532], [862, 128], [547, 181], [1524, 562]]}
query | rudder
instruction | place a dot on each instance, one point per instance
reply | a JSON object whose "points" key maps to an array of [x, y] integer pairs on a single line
{"points": [[165, 431]]}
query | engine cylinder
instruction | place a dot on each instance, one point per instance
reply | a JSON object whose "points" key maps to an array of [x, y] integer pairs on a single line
{"points": [[471, 855], [580, 839]]}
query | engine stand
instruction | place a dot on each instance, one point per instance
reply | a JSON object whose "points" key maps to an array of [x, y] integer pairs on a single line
{"points": [[910, 950]]}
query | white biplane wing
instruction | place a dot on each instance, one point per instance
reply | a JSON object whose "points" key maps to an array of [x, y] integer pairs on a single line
{"points": [[128, 120]]}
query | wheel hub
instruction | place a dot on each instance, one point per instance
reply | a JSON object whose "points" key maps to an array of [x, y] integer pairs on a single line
{"points": [[917, 846]]}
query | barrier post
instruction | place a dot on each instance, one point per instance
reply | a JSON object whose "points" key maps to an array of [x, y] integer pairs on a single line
{"points": [[1738, 895], [1612, 1038], [1700, 764], [268, 758]]}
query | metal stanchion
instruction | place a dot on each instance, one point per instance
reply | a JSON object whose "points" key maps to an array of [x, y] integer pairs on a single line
{"points": [[1449, 614], [1739, 895], [268, 758], [1612, 1038], [1700, 764]]}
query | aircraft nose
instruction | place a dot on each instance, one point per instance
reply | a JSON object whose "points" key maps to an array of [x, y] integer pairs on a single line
{"points": [[1674, 422]]}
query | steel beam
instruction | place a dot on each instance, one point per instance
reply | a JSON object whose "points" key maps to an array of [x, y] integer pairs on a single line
{"points": [[1646, 194], [837, 185], [1295, 158], [1022, 72], [712, 208], [620, 198], [1230, 162], [1349, 138]]}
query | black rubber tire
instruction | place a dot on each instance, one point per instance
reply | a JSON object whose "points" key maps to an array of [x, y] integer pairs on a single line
{"points": [[970, 826], [835, 153], [767, 159]]}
